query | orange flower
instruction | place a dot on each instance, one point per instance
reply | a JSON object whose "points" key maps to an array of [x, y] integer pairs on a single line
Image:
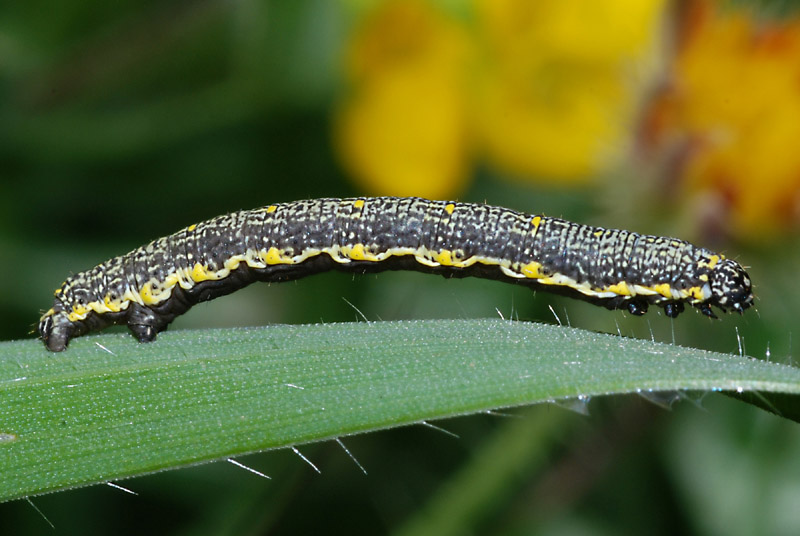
{"points": [[733, 110]]}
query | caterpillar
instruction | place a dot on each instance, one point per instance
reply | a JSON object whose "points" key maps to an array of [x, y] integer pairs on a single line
{"points": [[147, 288]]}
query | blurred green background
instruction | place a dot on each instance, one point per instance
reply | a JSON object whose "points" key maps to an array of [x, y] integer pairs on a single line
{"points": [[122, 122]]}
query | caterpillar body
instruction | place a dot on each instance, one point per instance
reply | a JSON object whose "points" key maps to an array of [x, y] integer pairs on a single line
{"points": [[147, 288]]}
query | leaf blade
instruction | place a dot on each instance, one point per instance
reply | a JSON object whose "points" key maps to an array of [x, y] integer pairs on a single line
{"points": [[110, 408]]}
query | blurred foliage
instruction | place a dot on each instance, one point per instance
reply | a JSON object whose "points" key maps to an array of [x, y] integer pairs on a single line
{"points": [[121, 122]]}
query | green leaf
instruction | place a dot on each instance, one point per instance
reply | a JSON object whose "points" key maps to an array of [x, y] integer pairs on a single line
{"points": [[109, 408]]}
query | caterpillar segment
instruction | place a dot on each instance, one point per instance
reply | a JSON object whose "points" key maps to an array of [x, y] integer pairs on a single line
{"points": [[150, 286]]}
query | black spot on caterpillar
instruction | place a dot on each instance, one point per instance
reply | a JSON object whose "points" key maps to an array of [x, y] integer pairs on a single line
{"points": [[147, 288]]}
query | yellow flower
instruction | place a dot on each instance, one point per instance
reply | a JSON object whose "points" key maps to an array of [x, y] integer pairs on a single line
{"points": [[541, 90], [734, 103], [559, 84], [402, 129]]}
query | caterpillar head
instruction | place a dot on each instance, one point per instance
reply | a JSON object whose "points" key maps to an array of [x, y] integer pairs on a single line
{"points": [[731, 287]]}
